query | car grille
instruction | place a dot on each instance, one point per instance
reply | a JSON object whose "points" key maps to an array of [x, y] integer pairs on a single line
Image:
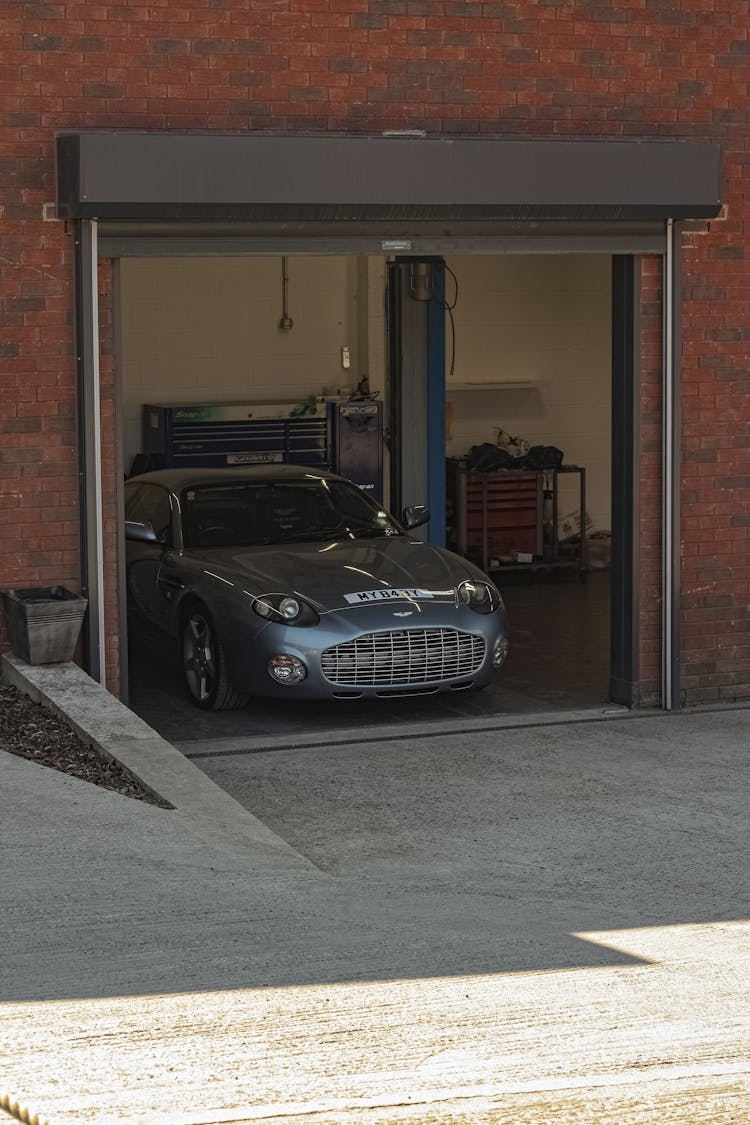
{"points": [[412, 656]]}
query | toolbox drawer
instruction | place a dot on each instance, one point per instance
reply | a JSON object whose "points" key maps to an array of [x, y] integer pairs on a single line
{"points": [[497, 513]]}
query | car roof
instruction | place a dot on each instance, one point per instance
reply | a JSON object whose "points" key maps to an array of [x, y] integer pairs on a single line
{"points": [[177, 479]]}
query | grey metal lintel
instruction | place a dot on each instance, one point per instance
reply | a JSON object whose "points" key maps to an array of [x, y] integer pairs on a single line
{"points": [[89, 444], [672, 458], [144, 246]]}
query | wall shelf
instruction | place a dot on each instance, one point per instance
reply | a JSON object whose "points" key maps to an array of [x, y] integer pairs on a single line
{"points": [[491, 385]]}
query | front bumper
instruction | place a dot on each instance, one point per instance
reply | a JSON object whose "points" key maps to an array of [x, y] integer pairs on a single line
{"points": [[386, 654]]}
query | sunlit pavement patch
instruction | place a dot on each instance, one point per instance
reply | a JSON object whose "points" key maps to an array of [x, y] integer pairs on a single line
{"points": [[675, 1023]]}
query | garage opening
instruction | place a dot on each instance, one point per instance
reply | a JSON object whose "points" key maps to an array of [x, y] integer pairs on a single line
{"points": [[381, 199], [522, 363]]}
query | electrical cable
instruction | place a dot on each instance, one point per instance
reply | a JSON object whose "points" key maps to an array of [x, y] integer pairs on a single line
{"points": [[449, 307]]}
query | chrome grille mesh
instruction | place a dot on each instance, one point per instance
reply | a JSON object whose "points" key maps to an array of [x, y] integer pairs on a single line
{"points": [[411, 656]]}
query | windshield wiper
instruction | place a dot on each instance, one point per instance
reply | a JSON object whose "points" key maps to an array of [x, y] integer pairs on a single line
{"points": [[333, 534], [375, 533], [311, 536]]}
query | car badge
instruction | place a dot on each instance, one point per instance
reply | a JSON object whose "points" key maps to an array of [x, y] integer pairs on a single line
{"points": [[404, 613]]}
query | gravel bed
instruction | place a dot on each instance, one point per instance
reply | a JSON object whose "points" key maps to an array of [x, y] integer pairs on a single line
{"points": [[29, 730]]}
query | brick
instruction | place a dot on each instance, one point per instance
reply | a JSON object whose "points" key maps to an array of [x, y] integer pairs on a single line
{"points": [[593, 69]]}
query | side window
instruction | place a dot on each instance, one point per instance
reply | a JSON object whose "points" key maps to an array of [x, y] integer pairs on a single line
{"points": [[152, 504], [132, 492]]}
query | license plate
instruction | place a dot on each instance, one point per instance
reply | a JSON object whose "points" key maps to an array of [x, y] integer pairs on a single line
{"points": [[392, 595]]}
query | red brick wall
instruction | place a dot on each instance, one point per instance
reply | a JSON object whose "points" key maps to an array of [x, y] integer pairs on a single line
{"points": [[643, 68], [716, 445], [39, 543]]}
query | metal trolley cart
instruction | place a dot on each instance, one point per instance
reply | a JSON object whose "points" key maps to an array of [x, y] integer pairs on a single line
{"points": [[507, 513]]}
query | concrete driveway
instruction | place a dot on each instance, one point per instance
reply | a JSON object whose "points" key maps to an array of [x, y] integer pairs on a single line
{"points": [[589, 825], [536, 925]]}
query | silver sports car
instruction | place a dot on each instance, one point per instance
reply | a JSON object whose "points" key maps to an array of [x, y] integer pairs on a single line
{"points": [[287, 581]]}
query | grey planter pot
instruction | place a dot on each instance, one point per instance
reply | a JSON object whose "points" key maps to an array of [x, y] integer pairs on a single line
{"points": [[44, 623]]}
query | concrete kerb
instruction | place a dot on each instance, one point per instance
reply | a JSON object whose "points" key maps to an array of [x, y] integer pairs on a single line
{"points": [[102, 721], [400, 732]]}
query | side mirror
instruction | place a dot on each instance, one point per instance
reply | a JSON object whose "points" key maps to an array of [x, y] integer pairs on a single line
{"points": [[140, 531], [415, 515]]}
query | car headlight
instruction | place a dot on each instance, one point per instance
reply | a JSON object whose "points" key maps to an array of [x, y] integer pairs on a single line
{"points": [[285, 609], [479, 596]]}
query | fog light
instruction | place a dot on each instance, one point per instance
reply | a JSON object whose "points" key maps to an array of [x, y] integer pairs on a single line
{"points": [[286, 669], [500, 652]]}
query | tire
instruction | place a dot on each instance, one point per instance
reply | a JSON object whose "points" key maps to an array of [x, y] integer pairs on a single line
{"points": [[203, 663]]}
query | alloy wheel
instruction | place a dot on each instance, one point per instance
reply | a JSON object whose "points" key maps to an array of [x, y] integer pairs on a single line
{"points": [[199, 656]]}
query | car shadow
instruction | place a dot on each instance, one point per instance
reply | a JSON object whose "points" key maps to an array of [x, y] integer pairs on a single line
{"points": [[559, 660]]}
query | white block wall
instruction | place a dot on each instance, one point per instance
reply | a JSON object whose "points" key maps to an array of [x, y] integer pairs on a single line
{"points": [[207, 330], [544, 321], [199, 329]]}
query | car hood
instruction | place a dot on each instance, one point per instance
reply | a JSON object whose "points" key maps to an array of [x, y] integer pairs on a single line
{"points": [[324, 572]]}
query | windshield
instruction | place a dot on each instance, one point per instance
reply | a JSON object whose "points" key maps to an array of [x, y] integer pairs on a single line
{"points": [[258, 513]]}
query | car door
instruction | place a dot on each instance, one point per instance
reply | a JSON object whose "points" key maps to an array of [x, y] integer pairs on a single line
{"points": [[147, 503]]}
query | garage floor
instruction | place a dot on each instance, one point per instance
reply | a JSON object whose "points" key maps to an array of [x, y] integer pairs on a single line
{"points": [[559, 660]]}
